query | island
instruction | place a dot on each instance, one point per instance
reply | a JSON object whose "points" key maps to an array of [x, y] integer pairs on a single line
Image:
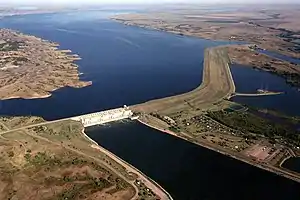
{"points": [[31, 67]]}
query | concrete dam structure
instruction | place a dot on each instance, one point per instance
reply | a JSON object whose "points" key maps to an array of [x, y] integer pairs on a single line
{"points": [[104, 116]]}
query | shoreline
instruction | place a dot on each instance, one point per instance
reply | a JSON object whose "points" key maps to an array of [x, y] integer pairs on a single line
{"points": [[282, 66], [57, 68], [172, 133], [285, 159], [217, 31], [204, 84], [88, 83], [154, 186], [31, 97], [271, 169]]}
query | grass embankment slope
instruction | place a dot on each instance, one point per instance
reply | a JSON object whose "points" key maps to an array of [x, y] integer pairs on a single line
{"points": [[56, 161], [217, 84]]}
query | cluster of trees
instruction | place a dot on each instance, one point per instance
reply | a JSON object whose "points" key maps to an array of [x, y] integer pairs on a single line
{"points": [[10, 46], [292, 78], [81, 183], [248, 122], [157, 116], [174, 129]]}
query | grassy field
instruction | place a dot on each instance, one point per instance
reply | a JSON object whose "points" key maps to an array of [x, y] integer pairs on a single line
{"points": [[275, 28], [236, 134], [251, 123], [262, 26], [56, 162]]}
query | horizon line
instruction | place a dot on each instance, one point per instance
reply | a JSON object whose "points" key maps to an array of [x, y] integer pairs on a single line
{"points": [[139, 4]]}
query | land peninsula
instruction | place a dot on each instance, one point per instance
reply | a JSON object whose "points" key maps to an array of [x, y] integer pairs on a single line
{"points": [[205, 115], [31, 67], [275, 29]]}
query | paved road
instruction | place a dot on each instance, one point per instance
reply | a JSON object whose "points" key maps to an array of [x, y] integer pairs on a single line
{"points": [[32, 125]]}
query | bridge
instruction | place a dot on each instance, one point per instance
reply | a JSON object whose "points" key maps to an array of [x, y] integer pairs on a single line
{"points": [[104, 116], [254, 94]]}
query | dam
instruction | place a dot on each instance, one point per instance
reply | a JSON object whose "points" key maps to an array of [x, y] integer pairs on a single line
{"points": [[102, 117]]}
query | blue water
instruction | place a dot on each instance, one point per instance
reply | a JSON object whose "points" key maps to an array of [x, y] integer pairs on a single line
{"points": [[281, 56], [190, 172], [127, 65], [248, 80], [130, 65]]}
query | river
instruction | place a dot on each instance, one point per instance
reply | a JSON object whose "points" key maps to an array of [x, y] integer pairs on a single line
{"points": [[187, 171], [130, 65]]}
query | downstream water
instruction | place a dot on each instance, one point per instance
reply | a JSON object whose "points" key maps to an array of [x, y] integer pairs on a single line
{"points": [[129, 65], [190, 172], [292, 164]]}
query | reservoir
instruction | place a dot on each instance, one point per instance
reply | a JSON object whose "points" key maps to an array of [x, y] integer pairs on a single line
{"points": [[130, 65], [127, 65]]}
